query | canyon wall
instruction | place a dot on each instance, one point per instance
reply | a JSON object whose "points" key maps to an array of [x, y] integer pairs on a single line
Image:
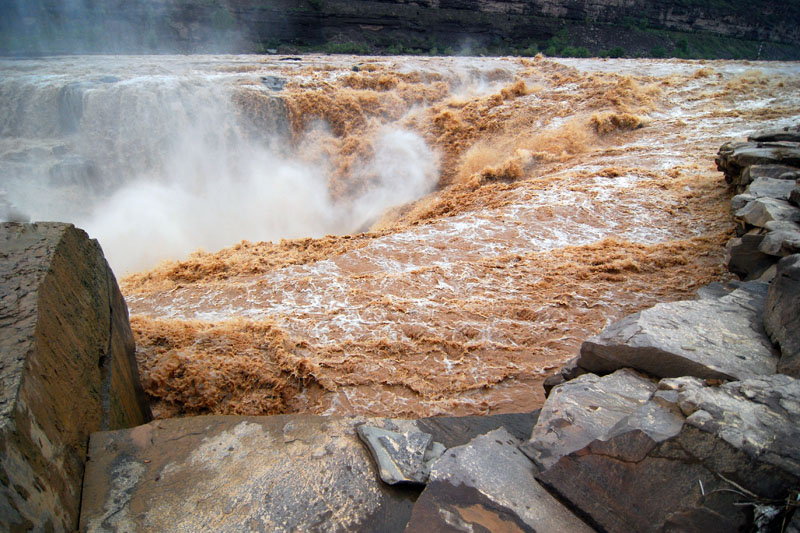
{"points": [[90, 26]]}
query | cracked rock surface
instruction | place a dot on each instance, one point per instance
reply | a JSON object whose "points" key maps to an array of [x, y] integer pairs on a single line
{"points": [[688, 458]]}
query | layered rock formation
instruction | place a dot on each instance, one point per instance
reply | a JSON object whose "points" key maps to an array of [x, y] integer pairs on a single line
{"points": [[765, 171], [67, 369], [245, 25]]}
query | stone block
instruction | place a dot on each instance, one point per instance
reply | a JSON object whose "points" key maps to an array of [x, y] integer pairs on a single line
{"points": [[719, 338], [67, 368]]}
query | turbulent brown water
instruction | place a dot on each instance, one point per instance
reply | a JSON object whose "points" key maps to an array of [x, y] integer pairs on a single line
{"points": [[567, 194]]}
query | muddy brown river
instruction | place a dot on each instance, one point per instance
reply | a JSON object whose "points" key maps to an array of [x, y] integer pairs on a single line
{"points": [[424, 236]]}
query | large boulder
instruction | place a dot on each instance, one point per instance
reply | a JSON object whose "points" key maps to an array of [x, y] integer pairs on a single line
{"points": [[720, 338], [67, 368], [692, 458], [782, 314], [488, 485], [582, 410]]}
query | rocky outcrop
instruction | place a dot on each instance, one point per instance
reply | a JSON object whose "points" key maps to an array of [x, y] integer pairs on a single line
{"points": [[271, 473], [782, 314], [693, 457], [67, 369], [765, 170]]}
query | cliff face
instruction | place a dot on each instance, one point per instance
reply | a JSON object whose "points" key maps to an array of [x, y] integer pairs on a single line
{"points": [[48, 26]]}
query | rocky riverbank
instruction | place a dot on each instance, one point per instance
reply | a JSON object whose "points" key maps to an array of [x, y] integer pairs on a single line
{"points": [[684, 416]]}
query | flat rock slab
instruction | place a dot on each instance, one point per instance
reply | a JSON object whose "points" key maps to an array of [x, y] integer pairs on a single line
{"points": [[278, 473], [488, 485], [67, 368], [582, 410], [719, 338], [689, 458], [782, 314], [227, 473]]}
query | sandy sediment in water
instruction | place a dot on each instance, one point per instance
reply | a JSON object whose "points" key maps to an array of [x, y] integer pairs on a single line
{"points": [[571, 194]]}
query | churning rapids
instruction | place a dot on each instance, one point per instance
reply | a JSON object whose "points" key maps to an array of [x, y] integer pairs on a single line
{"points": [[423, 235]]}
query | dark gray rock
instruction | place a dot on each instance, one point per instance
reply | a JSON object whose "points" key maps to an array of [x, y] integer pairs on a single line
{"points": [[754, 172], [782, 314], [794, 196], [702, 450], [734, 158], [741, 200], [67, 368], [401, 457], [569, 371], [789, 133], [745, 259], [488, 485], [717, 289], [762, 210], [582, 410], [719, 338], [770, 188], [781, 239], [457, 430]]}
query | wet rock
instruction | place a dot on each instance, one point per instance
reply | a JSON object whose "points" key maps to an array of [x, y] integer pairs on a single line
{"points": [[569, 371], [789, 133], [67, 369], [704, 451], [782, 239], [719, 338], [457, 430], [273, 83], [745, 259], [226, 473], [401, 457], [781, 317], [488, 485], [582, 410], [762, 210], [734, 159]]}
